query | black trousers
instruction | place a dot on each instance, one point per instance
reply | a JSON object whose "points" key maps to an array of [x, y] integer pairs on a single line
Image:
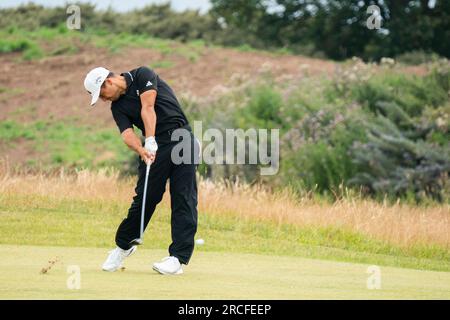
{"points": [[183, 194]]}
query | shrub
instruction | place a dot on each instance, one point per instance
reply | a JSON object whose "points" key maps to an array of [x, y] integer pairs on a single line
{"points": [[395, 165], [264, 109], [14, 45]]}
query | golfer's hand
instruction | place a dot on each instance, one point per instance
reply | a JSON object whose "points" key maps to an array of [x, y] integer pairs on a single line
{"points": [[151, 145], [147, 156]]}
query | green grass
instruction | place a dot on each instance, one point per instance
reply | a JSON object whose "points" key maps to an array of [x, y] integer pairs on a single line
{"points": [[31, 43], [27, 109], [45, 221], [246, 48], [209, 275], [62, 41], [64, 49], [14, 45], [115, 43], [162, 64], [10, 130], [67, 143]]}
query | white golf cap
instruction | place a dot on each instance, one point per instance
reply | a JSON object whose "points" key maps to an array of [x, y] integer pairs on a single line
{"points": [[93, 82]]}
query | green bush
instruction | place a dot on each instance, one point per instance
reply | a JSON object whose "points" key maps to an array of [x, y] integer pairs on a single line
{"points": [[15, 45], [405, 152], [15, 40], [33, 52], [315, 154], [411, 93], [394, 164], [263, 110]]}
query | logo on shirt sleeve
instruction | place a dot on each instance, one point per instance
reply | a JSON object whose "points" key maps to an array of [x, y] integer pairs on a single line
{"points": [[149, 84]]}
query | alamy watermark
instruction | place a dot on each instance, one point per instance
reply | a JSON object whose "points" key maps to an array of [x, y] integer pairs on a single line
{"points": [[374, 280], [74, 280], [229, 146], [73, 21], [374, 21]]}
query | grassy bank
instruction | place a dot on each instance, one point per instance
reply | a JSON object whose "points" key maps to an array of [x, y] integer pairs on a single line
{"points": [[67, 143], [47, 42]]}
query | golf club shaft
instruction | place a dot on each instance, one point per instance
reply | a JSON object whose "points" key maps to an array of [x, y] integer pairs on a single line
{"points": [[143, 201]]}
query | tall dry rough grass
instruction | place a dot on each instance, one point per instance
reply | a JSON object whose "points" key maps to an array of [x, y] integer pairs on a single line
{"points": [[400, 224]]}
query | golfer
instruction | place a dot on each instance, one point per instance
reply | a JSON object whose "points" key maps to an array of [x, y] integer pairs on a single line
{"points": [[141, 98]]}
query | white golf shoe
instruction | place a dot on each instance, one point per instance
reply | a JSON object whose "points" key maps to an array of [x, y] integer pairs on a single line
{"points": [[169, 265], [116, 257]]}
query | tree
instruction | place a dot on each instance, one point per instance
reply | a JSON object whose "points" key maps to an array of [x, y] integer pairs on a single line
{"points": [[339, 28]]}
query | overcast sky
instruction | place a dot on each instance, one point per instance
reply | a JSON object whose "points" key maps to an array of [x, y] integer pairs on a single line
{"points": [[118, 5]]}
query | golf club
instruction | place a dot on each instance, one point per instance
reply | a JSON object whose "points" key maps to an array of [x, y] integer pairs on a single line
{"points": [[140, 240]]}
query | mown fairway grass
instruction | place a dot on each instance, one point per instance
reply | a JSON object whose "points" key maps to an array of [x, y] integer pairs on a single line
{"points": [[210, 275]]}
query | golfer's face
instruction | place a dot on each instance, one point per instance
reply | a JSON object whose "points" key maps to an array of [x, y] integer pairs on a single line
{"points": [[109, 91]]}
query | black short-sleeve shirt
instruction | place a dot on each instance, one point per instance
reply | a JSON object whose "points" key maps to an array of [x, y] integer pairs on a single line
{"points": [[126, 110]]}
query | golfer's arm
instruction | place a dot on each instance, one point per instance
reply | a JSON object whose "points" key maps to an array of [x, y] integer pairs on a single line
{"points": [[148, 113], [132, 140]]}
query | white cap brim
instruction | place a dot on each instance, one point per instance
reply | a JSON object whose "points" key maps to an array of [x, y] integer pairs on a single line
{"points": [[95, 96]]}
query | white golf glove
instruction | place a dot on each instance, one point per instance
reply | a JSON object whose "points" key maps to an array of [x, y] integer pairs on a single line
{"points": [[151, 145]]}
